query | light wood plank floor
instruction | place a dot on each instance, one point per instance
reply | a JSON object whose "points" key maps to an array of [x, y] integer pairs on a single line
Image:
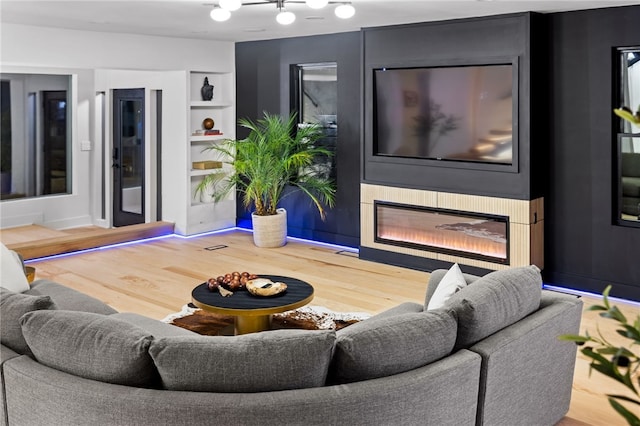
{"points": [[156, 279]]}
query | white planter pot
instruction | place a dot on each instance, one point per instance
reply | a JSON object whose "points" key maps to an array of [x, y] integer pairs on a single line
{"points": [[270, 231]]}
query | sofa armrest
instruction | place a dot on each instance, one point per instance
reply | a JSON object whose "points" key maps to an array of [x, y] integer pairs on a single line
{"points": [[527, 372]]}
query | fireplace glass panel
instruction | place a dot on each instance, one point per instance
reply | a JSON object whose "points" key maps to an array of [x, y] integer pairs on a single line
{"points": [[464, 234]]}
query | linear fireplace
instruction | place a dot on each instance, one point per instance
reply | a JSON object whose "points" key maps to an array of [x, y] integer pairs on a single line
{"points": [[429, 230], [460, 233]]}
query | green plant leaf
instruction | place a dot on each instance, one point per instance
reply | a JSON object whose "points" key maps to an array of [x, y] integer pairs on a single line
{"points": [[625, 398], [631, 418], [630, 332], [574, 338], [614, 313]]}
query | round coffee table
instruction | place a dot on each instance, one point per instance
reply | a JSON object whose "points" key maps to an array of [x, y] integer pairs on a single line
{"points": [[253, 313]]}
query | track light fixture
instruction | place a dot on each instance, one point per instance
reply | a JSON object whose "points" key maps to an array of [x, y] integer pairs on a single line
{"points": [[222, 12]]}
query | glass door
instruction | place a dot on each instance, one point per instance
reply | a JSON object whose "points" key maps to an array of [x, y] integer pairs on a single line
{"points": [[128, 157]]}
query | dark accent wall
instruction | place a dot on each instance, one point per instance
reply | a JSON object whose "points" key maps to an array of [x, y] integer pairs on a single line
{"points": [[570, 129], [518, 38], [584, 249], [263, 84]]}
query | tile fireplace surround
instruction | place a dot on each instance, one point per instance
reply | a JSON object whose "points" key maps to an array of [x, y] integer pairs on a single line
{"points": [[522, 242]]}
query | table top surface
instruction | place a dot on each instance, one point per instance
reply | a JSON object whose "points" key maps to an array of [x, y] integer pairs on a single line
{"points": [[298, 294]]}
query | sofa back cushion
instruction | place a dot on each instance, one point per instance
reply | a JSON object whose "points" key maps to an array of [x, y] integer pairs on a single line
{"points": [[257, 362], [12, 307], [68, 299], [388, 345], [494, 302], [90, 345]]}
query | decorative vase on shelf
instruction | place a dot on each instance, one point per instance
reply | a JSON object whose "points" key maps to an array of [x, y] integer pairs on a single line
{"points": [[208, 123], [207, 90]]}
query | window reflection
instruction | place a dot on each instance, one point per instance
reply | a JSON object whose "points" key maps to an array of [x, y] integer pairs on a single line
{"points": [[36, 137], [317, 103], [628, 155], [630, 178]]}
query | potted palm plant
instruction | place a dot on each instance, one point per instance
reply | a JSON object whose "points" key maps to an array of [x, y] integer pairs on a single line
{"points": [[275, 155]]}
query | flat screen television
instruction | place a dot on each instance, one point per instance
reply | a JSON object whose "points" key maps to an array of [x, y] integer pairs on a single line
{"points": [[454, 113]]}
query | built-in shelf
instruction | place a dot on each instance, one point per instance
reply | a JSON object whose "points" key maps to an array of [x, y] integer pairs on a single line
{"points": [[202, 138], [210, 104], [209, 216], [200, 172]]}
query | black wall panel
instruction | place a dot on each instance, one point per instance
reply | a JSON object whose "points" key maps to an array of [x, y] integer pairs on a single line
{"points": [[262, 70], [584, 249]]}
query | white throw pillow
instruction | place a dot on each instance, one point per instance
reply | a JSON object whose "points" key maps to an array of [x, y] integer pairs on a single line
{"points": [[12, 276], [450, 284]]}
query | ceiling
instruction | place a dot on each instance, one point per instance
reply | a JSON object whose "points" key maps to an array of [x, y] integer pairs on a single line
{"points": [[190, 18]]}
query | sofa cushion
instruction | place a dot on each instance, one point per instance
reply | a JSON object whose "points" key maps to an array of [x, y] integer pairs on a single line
{"points": [[152, 326], [13, 277], [450, 284], [12, 307], [257, 362], [90, 345], [388, 345], [69, 299], [494, 302], [631, 186]]}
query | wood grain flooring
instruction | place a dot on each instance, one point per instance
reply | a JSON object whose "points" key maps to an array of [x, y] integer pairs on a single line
{"points": [[156, 278]]}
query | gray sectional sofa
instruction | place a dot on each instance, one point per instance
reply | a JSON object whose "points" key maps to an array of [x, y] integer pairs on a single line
{"points": [[489, 357]]}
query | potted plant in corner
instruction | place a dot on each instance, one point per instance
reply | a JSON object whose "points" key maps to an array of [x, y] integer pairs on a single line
{"points": [[273, 156]]}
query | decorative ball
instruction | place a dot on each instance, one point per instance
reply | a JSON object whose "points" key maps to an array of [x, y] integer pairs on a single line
{"points": [[208, 123]]}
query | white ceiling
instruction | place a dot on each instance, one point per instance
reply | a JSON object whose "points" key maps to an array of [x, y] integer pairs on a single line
{"points": [[190, 18]]}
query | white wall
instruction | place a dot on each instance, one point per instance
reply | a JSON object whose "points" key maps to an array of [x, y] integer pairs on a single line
{"points": [[92, 57]]}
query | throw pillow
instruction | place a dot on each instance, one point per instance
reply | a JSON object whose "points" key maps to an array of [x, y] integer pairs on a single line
{"points": [[494, 302], [89, 345], [257, 362], [384, 346], [12, 307], [13, 277], [450, 284]]}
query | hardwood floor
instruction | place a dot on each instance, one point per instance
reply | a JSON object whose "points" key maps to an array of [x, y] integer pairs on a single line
{"points": [[156, 278]]}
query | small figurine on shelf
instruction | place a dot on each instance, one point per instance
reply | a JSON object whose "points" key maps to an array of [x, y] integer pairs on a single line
{"points": [[207, 90]]}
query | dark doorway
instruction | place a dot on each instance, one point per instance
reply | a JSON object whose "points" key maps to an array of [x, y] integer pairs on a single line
{"points": [[128, 157], [54, 142]]}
